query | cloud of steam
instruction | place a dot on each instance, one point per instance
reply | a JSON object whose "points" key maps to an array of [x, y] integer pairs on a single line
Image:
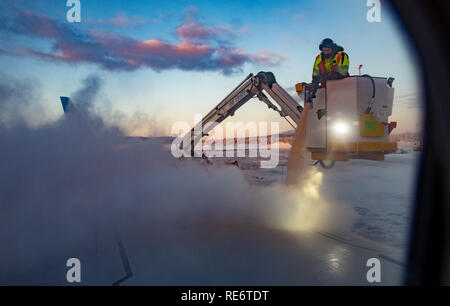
{"points": [[87, 102], [303, 207], [60, 185], [200, 48], [19, 102], [143, 124], [86, 95]]}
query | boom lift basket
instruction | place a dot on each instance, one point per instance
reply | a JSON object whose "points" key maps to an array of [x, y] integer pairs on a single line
{"points": [[349, 119]]}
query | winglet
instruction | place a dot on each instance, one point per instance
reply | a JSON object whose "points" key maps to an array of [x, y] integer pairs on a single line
{"points": [[65, 101]]}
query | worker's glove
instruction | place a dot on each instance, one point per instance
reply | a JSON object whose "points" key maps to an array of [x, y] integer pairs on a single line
{"points": [[315, 85], [313, 88]]}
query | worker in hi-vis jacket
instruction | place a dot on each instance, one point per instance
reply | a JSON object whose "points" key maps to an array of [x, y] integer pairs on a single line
{"points": [[331, 64]]}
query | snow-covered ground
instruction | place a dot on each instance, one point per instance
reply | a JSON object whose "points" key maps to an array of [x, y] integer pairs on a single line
{"points": [[380, 192]]}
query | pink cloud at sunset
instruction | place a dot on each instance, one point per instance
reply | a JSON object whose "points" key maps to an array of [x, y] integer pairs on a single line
{"points": [[199, 47]]}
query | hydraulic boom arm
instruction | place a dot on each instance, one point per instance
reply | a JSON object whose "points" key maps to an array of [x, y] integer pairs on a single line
{"points": [[251, 86]]}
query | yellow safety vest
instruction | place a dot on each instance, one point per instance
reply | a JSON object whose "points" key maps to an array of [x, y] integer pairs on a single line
{"points": [[340, 63]]}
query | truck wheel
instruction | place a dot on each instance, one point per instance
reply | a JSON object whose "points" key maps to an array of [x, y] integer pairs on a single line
{"points": [[327, 166]]}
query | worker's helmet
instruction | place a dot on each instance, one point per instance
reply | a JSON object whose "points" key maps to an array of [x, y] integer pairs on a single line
{"points": [[326, 43]]}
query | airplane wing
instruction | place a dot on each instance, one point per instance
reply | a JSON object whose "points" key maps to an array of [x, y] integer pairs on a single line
{"points": [[243, 255]]}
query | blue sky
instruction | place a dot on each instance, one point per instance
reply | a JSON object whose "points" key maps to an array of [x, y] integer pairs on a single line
{"points": [[277, 36]]}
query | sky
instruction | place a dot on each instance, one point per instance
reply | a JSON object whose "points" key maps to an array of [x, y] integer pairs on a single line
{"points": [[160, 62]]}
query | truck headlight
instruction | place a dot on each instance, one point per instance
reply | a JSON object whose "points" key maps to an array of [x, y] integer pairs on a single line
{"points": [[341, 128]]}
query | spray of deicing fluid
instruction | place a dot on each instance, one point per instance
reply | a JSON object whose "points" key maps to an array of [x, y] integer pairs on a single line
{"points": [[297, 155], [82, 189]]}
